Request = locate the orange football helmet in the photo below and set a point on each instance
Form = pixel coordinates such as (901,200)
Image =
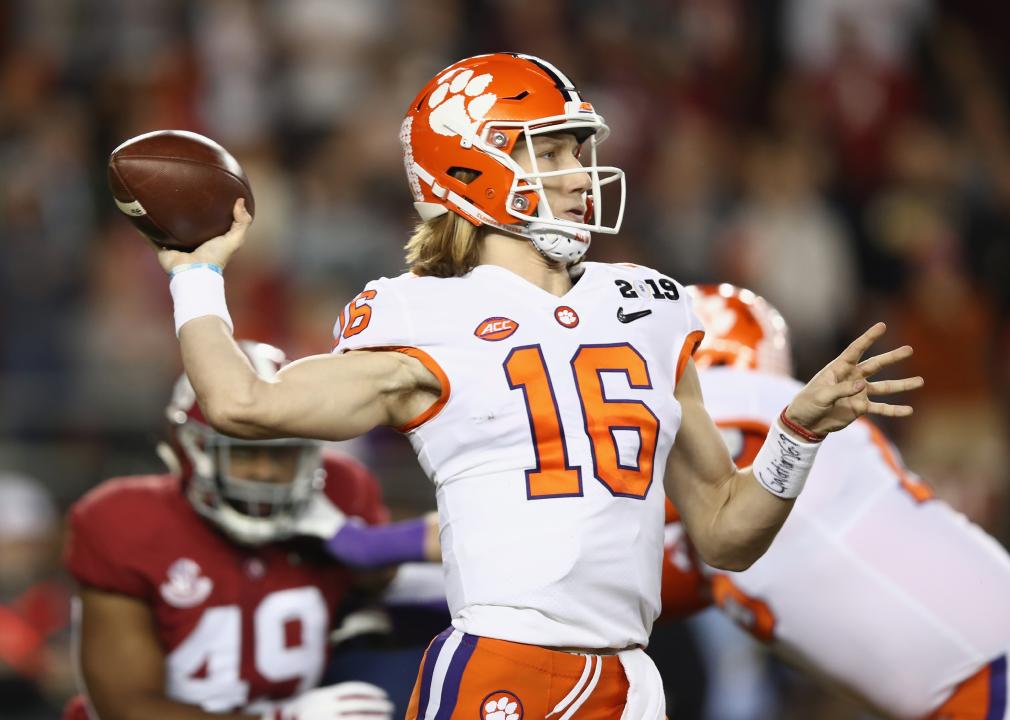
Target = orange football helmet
(742,330)
(470,117)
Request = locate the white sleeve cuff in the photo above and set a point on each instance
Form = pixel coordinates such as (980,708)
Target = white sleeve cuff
(198,291)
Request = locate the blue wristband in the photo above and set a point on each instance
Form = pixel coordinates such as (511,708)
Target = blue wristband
(194,266)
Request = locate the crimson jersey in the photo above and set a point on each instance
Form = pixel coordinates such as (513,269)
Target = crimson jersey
(237,623)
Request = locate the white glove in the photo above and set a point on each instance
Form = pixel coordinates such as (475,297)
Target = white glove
(343,701)
(321,519)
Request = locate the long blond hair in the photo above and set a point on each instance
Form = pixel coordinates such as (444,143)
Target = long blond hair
(445,246)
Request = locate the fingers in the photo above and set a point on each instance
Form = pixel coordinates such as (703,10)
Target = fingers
(876,363)
(888,410)
(828,396)
(240,213)
(887,387)
(242,221)
(861,344)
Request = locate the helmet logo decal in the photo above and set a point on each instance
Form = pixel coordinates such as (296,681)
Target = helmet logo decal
(459,103)
(186,587)
(715,314)
(496,328)
(742,330)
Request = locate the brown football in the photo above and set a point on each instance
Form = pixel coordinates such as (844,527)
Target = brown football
(177,187)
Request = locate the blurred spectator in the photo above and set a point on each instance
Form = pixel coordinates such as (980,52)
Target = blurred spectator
(785,241)
(35,672)
(686,197)
(817,31)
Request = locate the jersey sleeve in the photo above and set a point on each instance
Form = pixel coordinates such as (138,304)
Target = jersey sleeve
(96,552)
(379,318)
(354,489)
(375,318)
(689,334)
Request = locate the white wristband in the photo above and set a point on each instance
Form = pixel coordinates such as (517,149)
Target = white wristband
(783,463)
(198,290)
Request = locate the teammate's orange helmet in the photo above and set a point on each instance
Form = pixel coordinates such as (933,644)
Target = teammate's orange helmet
(742,330)
(470,117)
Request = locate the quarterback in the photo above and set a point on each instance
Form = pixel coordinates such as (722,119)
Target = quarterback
(549,400)
(198,596)
(873,584)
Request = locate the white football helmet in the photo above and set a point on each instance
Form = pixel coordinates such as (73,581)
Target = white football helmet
(249,511)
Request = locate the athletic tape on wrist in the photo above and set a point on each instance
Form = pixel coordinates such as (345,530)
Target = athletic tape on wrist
(198,290)
(783,463)
(194,266)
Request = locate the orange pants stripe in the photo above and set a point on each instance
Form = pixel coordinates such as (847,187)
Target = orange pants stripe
(479,678)
(983,696)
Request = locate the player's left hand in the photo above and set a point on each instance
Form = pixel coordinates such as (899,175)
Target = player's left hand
(842,391)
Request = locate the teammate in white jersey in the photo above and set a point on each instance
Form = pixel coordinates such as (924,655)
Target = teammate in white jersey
(547,399)
(872,584)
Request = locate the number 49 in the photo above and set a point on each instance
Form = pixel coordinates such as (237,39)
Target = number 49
(205,669)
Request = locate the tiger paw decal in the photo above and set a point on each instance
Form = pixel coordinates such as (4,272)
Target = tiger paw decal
(459,103)
(501,705)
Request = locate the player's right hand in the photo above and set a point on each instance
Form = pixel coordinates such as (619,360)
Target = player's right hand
(216,250)
(343,701)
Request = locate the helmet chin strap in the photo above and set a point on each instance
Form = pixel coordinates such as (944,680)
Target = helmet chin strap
(563,245)
(557,245)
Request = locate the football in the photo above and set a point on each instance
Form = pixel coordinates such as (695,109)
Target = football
(177,187)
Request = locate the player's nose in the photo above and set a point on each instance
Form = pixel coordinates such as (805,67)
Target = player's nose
(578,183)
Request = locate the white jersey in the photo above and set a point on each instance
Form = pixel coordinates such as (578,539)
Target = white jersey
(870,583)
(548,446)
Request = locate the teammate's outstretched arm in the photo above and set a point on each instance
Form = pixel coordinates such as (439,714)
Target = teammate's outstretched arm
(732,514)
(328,397)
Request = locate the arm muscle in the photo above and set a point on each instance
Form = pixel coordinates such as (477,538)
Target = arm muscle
(729,517)
(328,397)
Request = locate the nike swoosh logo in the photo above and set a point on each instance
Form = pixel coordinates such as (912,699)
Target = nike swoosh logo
(631,317)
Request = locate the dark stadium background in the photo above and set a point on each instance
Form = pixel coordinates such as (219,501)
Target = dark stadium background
(848,159)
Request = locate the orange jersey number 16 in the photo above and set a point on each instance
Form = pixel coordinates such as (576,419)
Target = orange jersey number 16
(553,475)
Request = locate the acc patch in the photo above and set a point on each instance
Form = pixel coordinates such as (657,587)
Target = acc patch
(501,705)
(496,328)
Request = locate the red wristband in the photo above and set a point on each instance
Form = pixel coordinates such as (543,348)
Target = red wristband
(807,435)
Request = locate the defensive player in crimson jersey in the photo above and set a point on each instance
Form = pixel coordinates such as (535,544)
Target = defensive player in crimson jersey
(199,597)
(548,399)
(872,584)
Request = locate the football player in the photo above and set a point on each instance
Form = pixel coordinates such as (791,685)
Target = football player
(199,597)
(542,394)
(872,584)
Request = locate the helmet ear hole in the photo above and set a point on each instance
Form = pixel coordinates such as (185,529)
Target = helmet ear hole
(464,175)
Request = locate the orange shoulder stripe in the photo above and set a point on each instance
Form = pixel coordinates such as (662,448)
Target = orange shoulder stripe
(691,343)
(443,380)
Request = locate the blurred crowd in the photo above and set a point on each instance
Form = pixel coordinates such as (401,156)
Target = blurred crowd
(847,159)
